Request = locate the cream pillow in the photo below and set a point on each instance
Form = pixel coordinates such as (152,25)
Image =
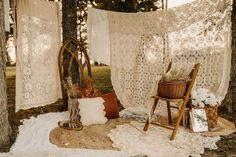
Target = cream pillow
(92,111)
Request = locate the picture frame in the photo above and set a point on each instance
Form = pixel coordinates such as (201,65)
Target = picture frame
(198,120)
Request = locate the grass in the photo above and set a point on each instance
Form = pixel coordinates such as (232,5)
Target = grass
(10,72)
(101,76)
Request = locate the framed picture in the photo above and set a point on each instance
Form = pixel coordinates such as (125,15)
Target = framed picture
(198,119)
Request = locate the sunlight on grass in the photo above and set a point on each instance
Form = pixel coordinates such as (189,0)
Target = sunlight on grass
(10,72)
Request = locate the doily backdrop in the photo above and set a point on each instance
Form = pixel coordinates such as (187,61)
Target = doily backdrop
(139,46)
(38,44)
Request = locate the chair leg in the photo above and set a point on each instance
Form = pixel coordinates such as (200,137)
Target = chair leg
(152,112)
(169,112)
(180,115)
(184,119)
(179,109)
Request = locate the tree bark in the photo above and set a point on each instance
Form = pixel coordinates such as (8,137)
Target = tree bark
(69,19)
(69,30)
(230,100)
(5,129)
(232,85)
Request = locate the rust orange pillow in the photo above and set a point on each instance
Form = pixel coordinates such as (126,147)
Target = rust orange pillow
(111,106)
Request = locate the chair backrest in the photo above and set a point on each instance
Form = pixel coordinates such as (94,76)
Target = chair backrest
(193,75)
(73,57)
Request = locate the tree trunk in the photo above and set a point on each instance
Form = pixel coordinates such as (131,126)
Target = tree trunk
(230,100)
(5,129)
(69,30)
(69,19)
(232,85)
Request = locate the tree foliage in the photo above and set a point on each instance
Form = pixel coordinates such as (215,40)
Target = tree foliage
(126,5)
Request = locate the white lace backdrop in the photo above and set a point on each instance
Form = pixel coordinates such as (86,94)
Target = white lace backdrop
(38,44)
(6,15)
(197,32)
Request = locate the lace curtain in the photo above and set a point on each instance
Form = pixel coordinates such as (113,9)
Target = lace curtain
(38,44)
(6,15)
(141,45)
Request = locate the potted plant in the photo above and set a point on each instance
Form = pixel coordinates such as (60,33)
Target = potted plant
(203,98)
(173,84)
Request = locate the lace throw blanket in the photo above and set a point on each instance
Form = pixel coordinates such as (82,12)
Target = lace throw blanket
(156,141)
(38,44)
(141,45)
(131,139)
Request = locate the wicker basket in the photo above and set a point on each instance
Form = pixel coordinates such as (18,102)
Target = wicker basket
(212,114)
(172,90)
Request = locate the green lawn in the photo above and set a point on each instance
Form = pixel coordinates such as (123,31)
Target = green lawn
(11,71)
(101,76)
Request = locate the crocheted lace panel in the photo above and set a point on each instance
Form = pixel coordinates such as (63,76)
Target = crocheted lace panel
(141,45)
(38,44)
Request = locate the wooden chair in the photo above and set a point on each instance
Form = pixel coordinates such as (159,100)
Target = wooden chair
(72,53)
(73,57)
(181,103)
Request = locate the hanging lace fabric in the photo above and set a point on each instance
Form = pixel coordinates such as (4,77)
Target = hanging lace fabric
(6,15)
(197,32)
(38,44)
(98,34)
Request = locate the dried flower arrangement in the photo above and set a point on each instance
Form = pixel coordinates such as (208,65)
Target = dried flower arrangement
(174,83)
(73,90)
(88,90)
(176,75)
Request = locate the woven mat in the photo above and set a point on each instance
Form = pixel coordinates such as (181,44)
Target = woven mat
(95,136)
(91,137)
(223,128)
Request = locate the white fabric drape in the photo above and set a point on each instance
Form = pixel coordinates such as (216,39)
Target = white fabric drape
(38,44)
(100,35)
(197,32)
